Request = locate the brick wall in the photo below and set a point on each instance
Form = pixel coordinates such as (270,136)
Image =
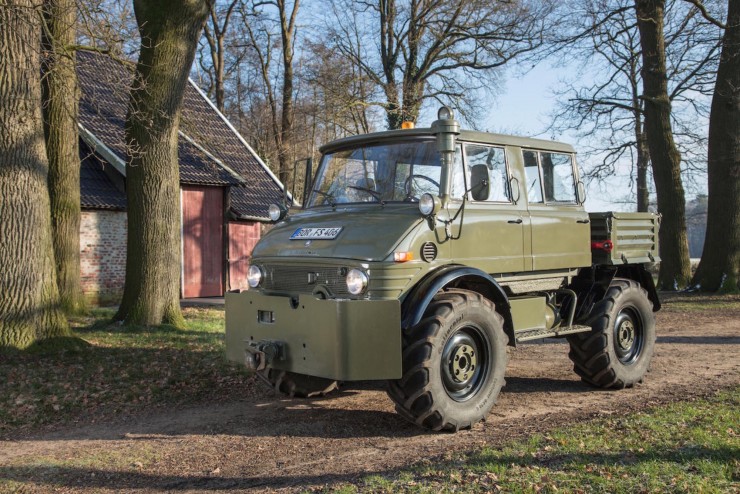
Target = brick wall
(103,254)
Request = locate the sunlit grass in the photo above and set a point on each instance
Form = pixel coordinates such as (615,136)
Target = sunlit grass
(684,447)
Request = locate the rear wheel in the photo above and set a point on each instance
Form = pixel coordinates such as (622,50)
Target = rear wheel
(454,361)
(298,385)
(618,350)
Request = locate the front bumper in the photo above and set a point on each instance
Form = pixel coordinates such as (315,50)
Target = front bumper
(346,340)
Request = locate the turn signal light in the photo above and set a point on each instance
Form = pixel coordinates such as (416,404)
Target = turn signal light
(407,125)
(403,256)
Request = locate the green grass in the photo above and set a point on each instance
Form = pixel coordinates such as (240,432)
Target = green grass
(114,369)
(684,447)
(698,302)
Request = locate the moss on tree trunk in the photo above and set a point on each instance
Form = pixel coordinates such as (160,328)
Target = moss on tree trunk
(60,101)
(29,298)
(169,34)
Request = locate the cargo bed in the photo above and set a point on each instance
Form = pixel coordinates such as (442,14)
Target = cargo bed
(622,238)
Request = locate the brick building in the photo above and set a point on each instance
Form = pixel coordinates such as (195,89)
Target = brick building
(225,188)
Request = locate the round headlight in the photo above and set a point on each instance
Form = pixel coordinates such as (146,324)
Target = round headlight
(254,276)
(275,212)
(426,204)
(356,281)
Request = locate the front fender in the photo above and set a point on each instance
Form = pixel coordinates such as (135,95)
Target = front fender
(455,276)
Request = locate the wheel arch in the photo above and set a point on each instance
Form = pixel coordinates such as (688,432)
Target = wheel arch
(456,276)
(592,284)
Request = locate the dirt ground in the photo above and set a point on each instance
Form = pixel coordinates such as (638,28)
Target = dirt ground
(267,443)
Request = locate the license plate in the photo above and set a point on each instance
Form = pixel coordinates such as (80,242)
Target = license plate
(322,233)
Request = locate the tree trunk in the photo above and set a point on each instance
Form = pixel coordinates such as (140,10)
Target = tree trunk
(643,162)
(169,32)
(29,297)
(61,96)
(719,269)
(287,32)
(675,269)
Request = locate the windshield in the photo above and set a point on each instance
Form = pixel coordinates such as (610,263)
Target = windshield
(378,173)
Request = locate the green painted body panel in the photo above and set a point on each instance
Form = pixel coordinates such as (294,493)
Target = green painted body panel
(370,232)
(528,312)
(338,339)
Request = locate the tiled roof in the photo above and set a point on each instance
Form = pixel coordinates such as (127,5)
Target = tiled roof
(211,154)
(97,190)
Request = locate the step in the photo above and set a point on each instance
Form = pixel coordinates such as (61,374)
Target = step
(539,333)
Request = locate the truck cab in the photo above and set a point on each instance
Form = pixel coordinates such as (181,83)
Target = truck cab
(434,249)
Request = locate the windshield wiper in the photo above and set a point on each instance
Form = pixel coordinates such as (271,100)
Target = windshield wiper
(329,197)
(372,192)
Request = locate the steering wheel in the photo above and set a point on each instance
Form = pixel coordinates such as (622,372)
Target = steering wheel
(408,182)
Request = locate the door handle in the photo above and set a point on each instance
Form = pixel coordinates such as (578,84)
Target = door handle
(517,221)
(583,221)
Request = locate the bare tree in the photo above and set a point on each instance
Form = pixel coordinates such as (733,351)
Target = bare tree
(169,35)
(29,297)
(215,36)
(719,269)
(607,113)
(675,271)
(442,50)
(263,21)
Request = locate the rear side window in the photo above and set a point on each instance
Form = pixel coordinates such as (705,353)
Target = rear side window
(551,174)
(557,176)
(495,160)
(532,172)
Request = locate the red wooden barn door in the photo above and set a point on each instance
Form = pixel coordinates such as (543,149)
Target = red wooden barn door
(242,239)
(202,241)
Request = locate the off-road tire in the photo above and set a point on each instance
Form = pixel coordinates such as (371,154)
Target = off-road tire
(442,343)
(616,353)
(298,385)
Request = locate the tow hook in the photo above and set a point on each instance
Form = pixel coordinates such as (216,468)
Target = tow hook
(259,354)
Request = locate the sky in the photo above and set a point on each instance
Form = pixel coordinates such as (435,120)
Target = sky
(523,108)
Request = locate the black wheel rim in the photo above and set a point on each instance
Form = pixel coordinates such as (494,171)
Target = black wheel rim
(628,336)
(465,362)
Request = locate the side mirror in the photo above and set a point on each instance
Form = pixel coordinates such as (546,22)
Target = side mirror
(580,192)
(479,182)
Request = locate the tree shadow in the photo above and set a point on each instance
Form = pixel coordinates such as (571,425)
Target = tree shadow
(545,385)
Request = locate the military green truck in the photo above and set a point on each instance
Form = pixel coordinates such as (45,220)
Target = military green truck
(419,255)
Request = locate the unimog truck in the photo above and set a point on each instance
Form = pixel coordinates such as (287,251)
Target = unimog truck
(420,254)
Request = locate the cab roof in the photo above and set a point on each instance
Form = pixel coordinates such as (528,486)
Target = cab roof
(465,135)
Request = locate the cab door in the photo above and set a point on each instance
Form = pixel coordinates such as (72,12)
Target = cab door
(493,225)
(560,231)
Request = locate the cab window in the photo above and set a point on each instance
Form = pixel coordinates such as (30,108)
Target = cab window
(551,172)
(494,158)
(557,175)
(532,174)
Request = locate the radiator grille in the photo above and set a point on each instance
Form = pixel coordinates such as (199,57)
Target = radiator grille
(306,279)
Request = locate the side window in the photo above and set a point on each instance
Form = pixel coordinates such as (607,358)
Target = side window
(531,170)
(557,173)
(495,160)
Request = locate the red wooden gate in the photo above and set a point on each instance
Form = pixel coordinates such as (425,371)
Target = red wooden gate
(202,241)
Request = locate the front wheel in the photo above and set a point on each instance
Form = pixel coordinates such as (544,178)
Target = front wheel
(618,350)
(454,361)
